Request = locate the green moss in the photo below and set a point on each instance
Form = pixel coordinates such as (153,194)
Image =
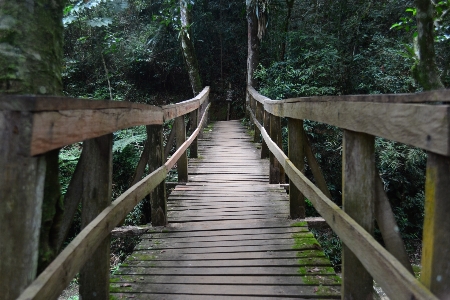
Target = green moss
(306,243)
(300,224)
(157,242)
(114,279)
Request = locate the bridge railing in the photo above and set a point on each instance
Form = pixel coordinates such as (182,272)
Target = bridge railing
(34,125)
(421,120)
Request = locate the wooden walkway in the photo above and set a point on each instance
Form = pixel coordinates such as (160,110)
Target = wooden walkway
(229,236)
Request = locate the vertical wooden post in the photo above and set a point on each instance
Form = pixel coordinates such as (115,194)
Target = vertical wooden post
(158,201)
(265,153)
(182,164)
(96,196)
(436,244)
(257,112)
(297,156)
(276,170)
(193,152)
(21,194)
(358,198)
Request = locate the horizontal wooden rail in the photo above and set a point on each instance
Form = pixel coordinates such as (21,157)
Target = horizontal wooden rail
(52,281)
(420,125)
(401,284)
(61,121)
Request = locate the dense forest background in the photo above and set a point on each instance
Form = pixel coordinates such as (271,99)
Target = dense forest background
(130,50)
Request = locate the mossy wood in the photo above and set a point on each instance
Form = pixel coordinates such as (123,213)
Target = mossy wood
(358,201)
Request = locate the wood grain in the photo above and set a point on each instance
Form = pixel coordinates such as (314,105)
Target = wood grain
(173,111)
(55,129)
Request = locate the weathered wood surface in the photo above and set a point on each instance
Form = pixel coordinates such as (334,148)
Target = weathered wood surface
(421,125)
(228,236)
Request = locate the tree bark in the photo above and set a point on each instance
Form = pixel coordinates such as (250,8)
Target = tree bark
(253,43)
(425,70)
(31,63)
(188,48)
(290,5)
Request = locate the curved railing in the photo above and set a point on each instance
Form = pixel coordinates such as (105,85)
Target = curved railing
(421,120)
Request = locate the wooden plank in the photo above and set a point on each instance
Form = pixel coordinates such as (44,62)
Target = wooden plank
(419,125)
(96,196)
(266,123)
(276,169)
(158,199)
(388,226)
(257,110)
(358,201)
(442,95)
(54,129)
(296,150)
(193,150)
(21,193)
(436,244)
(173,111)
(182,163)
(60,272)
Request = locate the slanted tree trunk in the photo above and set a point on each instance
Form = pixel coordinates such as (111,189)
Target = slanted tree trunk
(188,48)
(425,70)
(30,63)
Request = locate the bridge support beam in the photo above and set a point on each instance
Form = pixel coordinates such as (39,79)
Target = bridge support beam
(276,170)
(158,200)
(297,156)
(193,149)
(95,197)
(358,201)
(182,164)
(21,194)
(258,110)
(265,152)
(436,244)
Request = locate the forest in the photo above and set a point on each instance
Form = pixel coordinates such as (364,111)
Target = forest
(132,50)
(163,52)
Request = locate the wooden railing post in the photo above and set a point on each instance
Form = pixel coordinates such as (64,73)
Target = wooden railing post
(265,152)
(276,170)
(182,164)
(96,196)
(257,111)
(158,200)
(358,198)
(296,149)
(436,243)
(193,149)
(21,194)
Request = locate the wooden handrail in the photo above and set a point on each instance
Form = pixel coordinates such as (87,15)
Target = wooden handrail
(52,281)
(403,118)
(420,125)
(377,260)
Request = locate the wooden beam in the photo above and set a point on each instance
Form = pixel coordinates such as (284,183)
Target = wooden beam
(423,126)
(257,111)
(358,200)
(396,281)
(158,199)
(60,272)
(182,164)
(21,193)
(55,129)
(315,168)
(170,140)
(442,95)
(276,169)
(436,243)
(96,196)
(388,226)
(296,149)
(173,111)
(193,150)
(265,153)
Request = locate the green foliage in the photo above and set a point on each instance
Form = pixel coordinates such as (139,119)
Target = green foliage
(331,245)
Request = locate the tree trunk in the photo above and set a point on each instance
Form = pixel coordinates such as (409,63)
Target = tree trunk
(188,48)
(290,5)
(425,70)
(31,63)
(253,46)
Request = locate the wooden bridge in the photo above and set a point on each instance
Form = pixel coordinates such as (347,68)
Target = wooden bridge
(228,230)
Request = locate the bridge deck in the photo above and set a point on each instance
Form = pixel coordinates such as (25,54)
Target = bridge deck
(228,236)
